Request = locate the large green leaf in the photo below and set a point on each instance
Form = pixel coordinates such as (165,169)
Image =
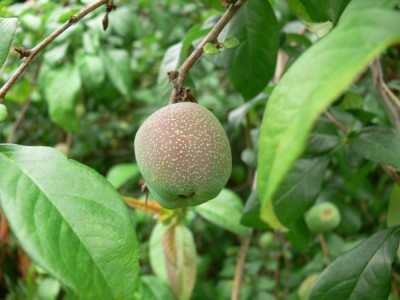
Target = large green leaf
(312,83)
(251,65)
(7,31)
(378,144)
(70,220)
(180,260)
(361,274)
(356,5)
(61,87)
(224,211)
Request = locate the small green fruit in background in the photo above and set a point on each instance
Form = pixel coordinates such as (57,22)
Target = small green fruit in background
(323,217)
(3,112)
(80,110)
(266,240)
(306,285)
(183,154)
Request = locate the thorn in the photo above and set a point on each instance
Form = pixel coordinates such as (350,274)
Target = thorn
(23,52)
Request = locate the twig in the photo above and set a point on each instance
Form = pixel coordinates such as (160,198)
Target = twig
(195,55)
(386,94)
(380,82)
(35,51)
(18,122)
(324,248)
(392,173)
(391,95)
(337,123)
(241,258)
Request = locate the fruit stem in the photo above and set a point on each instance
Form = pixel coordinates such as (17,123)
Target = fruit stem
(324,248)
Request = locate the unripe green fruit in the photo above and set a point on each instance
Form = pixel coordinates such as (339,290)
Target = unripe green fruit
(266,240)
(306,285)
(3,112)
(323,217)
(183,154)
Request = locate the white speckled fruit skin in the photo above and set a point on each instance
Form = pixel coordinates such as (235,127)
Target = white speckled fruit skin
(183,154)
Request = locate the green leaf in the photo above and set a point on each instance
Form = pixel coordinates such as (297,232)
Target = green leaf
(180,258)
(319,11)
(357,5)
(350,216)
(119,174)
(194,34)
(56,54)
(69,220)
(48,288)
(91,70)
(117,65)
(311,84)
(169,63)
(124,22)
(393,218)
(211,49)
(231,42)
(324,138)
(251,65)
(7,31)
(299,234)
(224,211)
(378,144)
(153,288)
(251,213)
(61,88)
(156,254)
(237,115)
(363,273)
(300,188)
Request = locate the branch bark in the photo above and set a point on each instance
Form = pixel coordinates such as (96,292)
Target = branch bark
(337,123)
(241,259)
(36,50)
(195,55)
(387,95)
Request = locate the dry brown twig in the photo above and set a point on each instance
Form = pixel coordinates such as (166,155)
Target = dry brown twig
(31,54)
(387,95)
(337,123)
(241,257)
(212,36)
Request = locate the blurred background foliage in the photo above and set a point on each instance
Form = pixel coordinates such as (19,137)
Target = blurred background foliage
(110,81)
